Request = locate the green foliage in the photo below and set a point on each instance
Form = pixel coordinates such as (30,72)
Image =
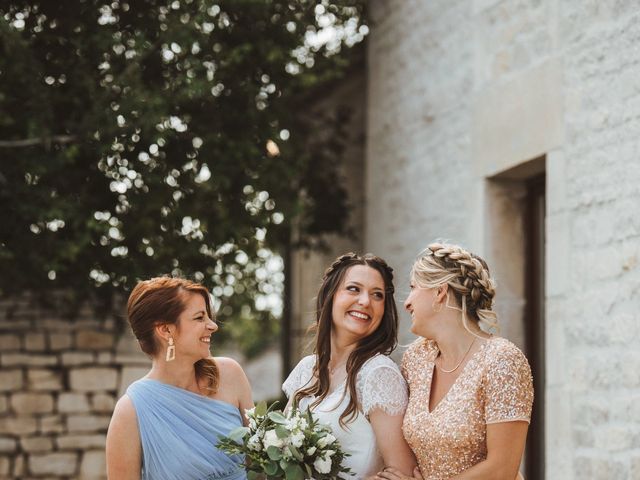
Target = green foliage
(289,446)
(135,141)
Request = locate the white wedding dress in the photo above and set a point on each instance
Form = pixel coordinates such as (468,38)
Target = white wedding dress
(379,384)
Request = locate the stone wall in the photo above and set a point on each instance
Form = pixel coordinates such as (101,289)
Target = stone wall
(460,91)
(59,381)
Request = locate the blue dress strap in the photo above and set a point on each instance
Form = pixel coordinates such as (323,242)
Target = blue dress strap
(179,431)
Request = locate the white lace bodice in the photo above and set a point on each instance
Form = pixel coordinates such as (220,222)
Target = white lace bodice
(379,384)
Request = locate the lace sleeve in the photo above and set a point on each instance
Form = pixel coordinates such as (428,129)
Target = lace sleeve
(299,376)
(383,387)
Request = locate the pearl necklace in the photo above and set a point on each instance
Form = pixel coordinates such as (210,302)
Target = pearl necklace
(459,363)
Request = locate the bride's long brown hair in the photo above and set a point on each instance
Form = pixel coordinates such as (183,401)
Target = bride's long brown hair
(383,340)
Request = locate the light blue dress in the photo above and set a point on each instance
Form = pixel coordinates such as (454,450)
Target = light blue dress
(179,431)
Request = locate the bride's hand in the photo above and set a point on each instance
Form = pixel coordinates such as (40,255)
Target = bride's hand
(391,473)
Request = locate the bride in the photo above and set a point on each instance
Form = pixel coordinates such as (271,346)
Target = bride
(350,383)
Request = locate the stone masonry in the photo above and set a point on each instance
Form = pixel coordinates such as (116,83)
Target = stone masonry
(59,381)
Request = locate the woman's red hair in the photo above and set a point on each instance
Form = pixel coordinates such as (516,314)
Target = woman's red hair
(159,301)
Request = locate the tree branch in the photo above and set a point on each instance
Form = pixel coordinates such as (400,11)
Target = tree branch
(30,142)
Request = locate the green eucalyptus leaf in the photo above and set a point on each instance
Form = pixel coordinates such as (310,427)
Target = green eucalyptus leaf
(282,432)
(294,472)
(261,409)
(273,406)
(271,468)
(251,475)
(237,434)
(277,417)
(274,453)
(296,453)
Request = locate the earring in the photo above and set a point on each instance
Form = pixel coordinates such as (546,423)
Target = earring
(436,310)
(171,351)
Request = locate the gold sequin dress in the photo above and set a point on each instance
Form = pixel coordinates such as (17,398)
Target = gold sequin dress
(494,386)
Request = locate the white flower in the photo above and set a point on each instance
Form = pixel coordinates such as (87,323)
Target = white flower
(322,464)
(296,422)
(254,443)
(328,453)
(326,440)
(311,451)
(292,424)
(296,439)
(286,453)
(252,423)
(271,439)
(249,411)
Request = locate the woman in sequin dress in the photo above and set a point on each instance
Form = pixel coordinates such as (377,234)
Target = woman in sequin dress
(350,383)
(470,393)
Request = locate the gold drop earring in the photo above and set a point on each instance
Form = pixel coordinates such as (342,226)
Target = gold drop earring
(171,351)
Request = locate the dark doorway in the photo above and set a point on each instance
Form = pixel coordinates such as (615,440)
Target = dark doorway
(535,319)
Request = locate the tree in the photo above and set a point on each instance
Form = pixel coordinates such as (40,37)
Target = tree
(150,137)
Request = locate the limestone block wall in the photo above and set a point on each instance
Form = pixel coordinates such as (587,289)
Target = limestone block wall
(59,381)
(462,90)
(420,71)
(596,224)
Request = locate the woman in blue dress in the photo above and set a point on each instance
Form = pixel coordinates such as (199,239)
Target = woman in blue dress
(168,423)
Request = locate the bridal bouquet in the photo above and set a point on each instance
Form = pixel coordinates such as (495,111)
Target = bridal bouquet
(292,446)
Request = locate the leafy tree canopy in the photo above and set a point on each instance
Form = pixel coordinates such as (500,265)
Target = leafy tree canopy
(147,137)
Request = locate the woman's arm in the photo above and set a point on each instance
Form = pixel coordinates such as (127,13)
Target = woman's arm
(383,398)
(124,451)
(245,395)
(391,443)
(234,385)
(505,444)
(508,388)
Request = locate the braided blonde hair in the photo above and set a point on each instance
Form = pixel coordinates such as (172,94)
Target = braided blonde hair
(467,276)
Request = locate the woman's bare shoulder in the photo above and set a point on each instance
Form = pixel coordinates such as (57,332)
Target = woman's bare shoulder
(124,408)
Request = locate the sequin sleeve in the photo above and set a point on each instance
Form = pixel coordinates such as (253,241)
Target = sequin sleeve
(409,358)
(381,385)
(508,386)
(299,376)
(403,365)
